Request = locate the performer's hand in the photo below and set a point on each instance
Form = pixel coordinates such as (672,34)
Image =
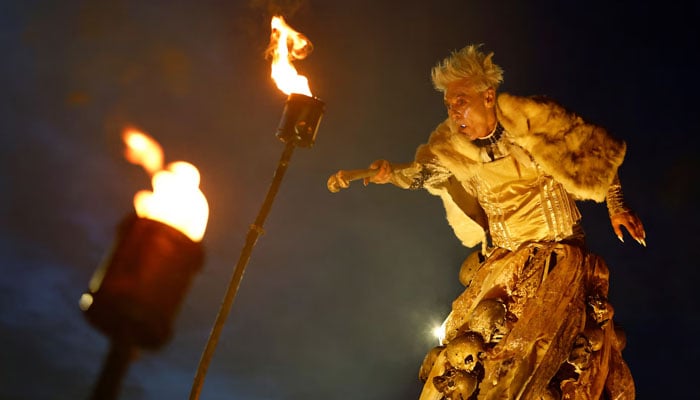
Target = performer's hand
(383,174)
(632,223)
(337,181)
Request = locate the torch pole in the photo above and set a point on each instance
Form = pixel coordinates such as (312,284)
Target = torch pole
(114,369)
(256,229)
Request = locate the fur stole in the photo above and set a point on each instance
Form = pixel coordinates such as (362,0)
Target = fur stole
(581,156)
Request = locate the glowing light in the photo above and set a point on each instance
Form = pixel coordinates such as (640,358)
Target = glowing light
(439,331)
(287,45)
(85,301)
(176,199)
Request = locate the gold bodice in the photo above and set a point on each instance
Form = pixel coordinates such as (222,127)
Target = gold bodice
(523,204)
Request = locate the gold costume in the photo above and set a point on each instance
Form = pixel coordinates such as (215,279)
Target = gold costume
(533,321)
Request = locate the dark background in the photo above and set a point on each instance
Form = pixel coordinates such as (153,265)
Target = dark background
(343,290)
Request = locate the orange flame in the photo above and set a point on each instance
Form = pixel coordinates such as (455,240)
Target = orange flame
(142,150)
(176,199)
(287,45)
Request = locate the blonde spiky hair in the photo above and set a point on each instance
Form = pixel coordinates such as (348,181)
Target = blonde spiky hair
(470,63)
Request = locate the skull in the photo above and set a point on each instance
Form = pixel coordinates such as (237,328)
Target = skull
(620,338)
(600,310)
(550,393)
(489,320)
(595,336)
(455,384)
(580,356)
(465,351)
(469,267)
(429,362)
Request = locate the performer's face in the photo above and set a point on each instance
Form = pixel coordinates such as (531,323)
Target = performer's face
(472,112)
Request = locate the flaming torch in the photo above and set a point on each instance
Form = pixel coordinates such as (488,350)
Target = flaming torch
(302,112)
(298,126)
(134,295)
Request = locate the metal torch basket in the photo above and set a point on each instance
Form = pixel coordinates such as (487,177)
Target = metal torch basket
(137,292)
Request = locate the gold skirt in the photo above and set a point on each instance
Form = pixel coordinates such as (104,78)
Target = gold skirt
(532,324)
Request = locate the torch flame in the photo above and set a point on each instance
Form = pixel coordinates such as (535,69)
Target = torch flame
(142,150)
(287,45)
(176,199)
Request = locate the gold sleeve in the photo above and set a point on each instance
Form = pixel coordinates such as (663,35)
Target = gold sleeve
(424,172)
(615,199)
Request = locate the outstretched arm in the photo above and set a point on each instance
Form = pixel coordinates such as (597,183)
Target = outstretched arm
(621,215)
(380,172)
(342,178)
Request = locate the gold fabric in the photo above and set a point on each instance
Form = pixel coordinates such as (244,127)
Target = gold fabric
(547,288)
(615,200)
(523,204)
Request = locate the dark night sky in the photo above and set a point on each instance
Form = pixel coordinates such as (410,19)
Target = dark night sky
(343,289)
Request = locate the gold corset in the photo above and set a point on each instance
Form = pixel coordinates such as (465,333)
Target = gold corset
(523,204)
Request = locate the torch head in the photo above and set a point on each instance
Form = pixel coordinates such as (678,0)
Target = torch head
(300,119)
(136,293)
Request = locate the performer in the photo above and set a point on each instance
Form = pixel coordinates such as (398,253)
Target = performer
(534,321)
